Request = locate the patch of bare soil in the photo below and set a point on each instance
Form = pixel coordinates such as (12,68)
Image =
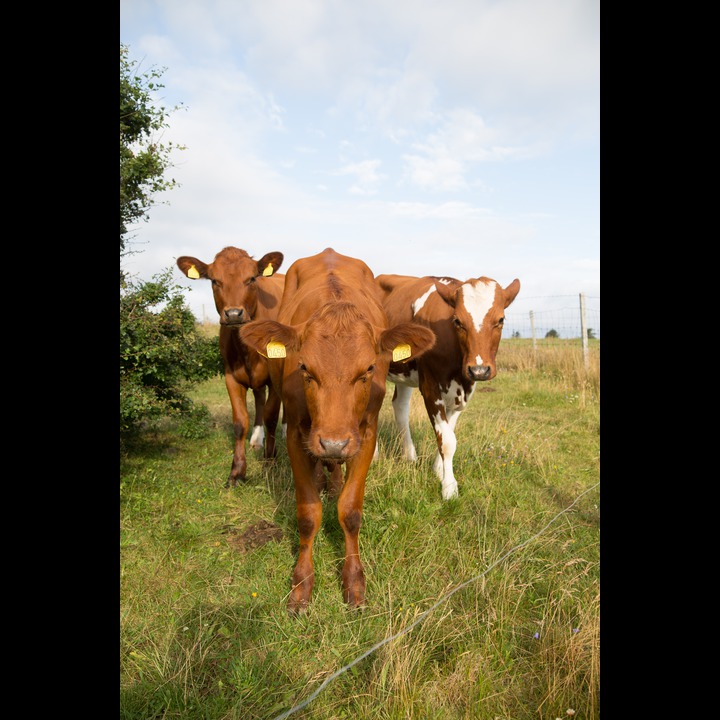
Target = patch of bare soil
(254,536)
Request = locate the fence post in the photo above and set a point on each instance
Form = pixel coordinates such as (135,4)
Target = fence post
(584,333)
(532,328)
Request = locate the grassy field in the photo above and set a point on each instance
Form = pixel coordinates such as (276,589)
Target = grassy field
(483,607)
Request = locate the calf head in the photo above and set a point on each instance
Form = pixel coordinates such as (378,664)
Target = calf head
(332,362)
(233,274)
(479,313)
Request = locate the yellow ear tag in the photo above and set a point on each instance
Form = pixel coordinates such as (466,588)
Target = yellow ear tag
(193,273)
(267,272)
(401,352)
(275,350)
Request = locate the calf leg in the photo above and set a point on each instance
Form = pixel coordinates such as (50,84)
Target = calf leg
(336,481)
(401,408)
(319,477)
(444,422)
(309,517)
(332,485)
(238,401)
(258,434)
(350,505)
(272,412)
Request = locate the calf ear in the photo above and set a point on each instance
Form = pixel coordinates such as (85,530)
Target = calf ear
(407,340)
(269,337)
(270,263)
(511,291)
(447,289)
(192,267)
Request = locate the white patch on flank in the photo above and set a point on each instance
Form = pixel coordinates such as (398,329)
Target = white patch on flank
(417,305)
(478,299)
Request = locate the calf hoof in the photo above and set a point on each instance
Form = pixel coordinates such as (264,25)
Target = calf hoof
(297,604)
(295,609)
(301,592)
(233,480)
(355,599)
(354,589)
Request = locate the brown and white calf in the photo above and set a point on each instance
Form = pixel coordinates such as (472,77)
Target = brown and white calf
(244,289)
(329,351)
(467,319)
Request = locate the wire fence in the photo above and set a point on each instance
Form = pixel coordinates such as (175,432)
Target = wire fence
(553,316)
(542,316)
(423,615)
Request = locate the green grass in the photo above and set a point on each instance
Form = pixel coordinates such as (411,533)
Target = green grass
(204,629)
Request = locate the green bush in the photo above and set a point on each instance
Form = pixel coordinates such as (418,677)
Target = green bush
(162,354)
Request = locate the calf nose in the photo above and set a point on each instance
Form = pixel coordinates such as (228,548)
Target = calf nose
(333,448)
(234,315)
(479,372)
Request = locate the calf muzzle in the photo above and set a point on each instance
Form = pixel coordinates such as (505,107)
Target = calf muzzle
(235,316)
(479,372)
(333,448)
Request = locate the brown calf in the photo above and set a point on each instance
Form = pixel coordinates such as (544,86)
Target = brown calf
(467,318)
(329,353)
(244,289)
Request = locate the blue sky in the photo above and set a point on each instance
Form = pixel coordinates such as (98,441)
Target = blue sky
(426,137)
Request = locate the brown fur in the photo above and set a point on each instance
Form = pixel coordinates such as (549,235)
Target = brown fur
(332,384)
(459,343)
(241,294)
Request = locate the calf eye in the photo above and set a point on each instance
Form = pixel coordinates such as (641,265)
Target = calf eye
(250,281)
(456,322)
(307,376)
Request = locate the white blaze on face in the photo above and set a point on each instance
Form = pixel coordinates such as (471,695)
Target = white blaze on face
(478,300)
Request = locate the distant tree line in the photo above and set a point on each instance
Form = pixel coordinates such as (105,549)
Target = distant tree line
(552,333)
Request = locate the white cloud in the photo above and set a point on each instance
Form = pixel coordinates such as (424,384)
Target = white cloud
(456,138)
(438,172)
(367,177)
